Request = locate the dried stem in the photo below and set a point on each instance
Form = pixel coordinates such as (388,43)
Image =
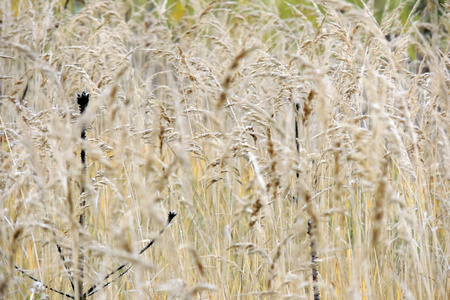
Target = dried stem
(83,101)
(46,286)
(92,290)
(312,227)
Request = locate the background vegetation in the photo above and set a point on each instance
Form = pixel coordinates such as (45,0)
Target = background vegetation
(248,118)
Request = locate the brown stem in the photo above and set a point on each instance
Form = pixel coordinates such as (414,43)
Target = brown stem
(83,101)
(315,272)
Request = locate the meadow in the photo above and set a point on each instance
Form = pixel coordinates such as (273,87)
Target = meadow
(304,146)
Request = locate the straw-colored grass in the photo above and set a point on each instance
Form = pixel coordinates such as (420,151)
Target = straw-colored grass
(249,119)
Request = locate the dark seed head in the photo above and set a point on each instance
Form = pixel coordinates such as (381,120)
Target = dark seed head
(83,100)
(172,215)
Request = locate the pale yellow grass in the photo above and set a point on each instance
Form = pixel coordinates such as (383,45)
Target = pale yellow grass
(197,112)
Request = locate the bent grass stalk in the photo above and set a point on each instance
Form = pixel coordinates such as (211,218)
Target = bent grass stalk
(83,101)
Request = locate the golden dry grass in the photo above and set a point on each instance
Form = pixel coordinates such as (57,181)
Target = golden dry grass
(195,108)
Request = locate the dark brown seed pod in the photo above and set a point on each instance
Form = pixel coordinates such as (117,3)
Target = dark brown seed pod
(83,100)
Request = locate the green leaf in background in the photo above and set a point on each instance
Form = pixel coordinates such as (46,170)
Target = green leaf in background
(178,11)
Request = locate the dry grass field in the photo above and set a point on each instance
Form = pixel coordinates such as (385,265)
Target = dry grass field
(292,138)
